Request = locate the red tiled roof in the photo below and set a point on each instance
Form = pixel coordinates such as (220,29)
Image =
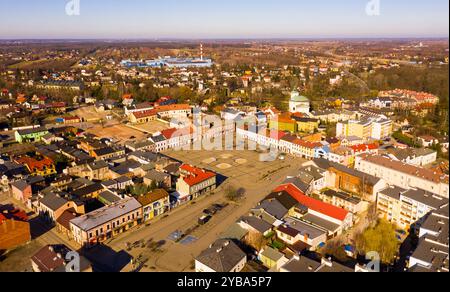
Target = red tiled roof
(173,133)
(364,147)
(196,175)
(313,204)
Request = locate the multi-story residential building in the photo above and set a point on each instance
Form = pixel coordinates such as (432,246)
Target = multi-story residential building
(107,222)
(366,129)
(194,182)
(407,208)
(154,204)
(432,253)
(403,175)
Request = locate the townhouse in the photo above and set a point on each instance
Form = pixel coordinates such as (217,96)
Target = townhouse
(106,223)
(154,204)
(194,182)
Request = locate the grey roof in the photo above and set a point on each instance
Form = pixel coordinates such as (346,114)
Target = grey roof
(105,151)
(53,201)
(32,131)
(426,198)
(123,179)
(304,228)
(110,197)
(434,254)
(417,195)
(298,183)
(88,190)
(321,223)
(344,196)
(144,155)
(304,264)
(301,265)
(106,214)
(21,184)
(158,138)
(273,207)
(284,198)
(257,223)
(96,165)
(234,232)
(156,175)
(272,254)
(311,171)
(222,256)
(393,192)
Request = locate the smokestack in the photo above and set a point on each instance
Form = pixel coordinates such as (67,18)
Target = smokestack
(201,52)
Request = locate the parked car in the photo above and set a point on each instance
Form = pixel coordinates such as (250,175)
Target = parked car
(204,219)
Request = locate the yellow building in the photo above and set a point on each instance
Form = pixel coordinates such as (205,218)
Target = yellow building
(307,125)
(43,167)
(154,204)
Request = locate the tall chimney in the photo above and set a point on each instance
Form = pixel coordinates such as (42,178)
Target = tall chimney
(201,52)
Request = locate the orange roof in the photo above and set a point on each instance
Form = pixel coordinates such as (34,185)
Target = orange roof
(127,96)
(173,107)
(196,175)
(307,144)
(173,133)
(32,163)
(364,147)
(144,114)
(313,204)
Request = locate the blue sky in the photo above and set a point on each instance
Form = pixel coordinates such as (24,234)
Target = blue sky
(223,19)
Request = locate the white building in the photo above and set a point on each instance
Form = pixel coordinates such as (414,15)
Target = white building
(403,175)
(299,104)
